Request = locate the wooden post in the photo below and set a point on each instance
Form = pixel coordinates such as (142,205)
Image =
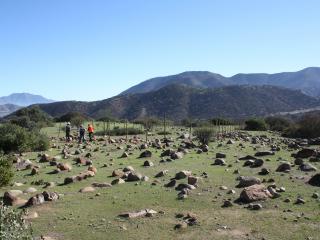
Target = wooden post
(164,125)
(59,130)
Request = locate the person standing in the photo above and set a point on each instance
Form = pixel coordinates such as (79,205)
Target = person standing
(90,131)
(82,131)
(68,130)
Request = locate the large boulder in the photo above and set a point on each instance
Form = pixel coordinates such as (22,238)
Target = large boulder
(50,196)
(182,174)
(177,155)
(306,153)
(263,153)
(146,154)
(248,181)
(254,193)
(219,161)
(315,180)
(132,177)
(307,167)
(35,200)
(284,167)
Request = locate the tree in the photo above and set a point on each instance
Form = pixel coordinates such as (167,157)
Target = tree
(255,124)
(6,171)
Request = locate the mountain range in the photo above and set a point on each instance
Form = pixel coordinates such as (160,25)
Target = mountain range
(306,80)
(202,95)
(179,102)
(15,101)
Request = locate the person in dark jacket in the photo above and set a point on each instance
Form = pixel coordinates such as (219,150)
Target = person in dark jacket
(68,130)
(82,132)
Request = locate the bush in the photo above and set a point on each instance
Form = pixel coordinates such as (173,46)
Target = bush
(12,224)
(220,121)
(278,123)
(121,132)
(6,171)
(75,118)
(255,124)
(17,139)
(204,134)
(307,127)
(31,118)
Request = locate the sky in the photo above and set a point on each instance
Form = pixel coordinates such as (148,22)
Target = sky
(95,49)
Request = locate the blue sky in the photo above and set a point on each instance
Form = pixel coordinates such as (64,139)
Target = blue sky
(94,49)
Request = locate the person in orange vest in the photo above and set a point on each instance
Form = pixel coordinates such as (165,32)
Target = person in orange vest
(90,131)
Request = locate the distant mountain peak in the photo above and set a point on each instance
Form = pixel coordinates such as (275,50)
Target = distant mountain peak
(24,99)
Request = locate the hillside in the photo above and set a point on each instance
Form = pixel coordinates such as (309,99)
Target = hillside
(23,99)
(6,109)
(306,80)
(180,102)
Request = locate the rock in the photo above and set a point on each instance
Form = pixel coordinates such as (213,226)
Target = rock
(264,171)
(248,163)
(182,186)
(35,200)
(124,155)
(205,148)
(177,155)
(15,193)
(128,169)
(24,164)
(148,163)
(31,215)
(257,163)
(230,141)
(254,193)
(227,203)
(45,158)
(316,195)
(248,157)
(49,185)
(87,189)
(300,201)
(306,153)
(298,161)
(315,180)
(92,169)
(193,180)
(101,185)
(144,146)
(35,170)
(30,190)
(145,179)
(181,225)
(264,153)
(117,181)
(219,161)
(182,174)
(172,183)
(9,199)
(284,167)
(255,206)
(248,181)
(231,191)
(307,167)
(134,177)
(80,160)
(161,174)
(50,196)
(64,167)
(221,155)
(146,154)
(141,213)
(117,173)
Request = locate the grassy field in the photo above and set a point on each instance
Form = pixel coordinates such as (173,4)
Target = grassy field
(95,216)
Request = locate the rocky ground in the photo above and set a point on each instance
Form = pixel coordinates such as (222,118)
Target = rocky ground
(244,185)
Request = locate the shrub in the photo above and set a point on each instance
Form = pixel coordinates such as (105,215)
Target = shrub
(6,171)
(278,123)
(204,134)
(307,127)
(17,139)
(31,118)
(12,224)
(255,124)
